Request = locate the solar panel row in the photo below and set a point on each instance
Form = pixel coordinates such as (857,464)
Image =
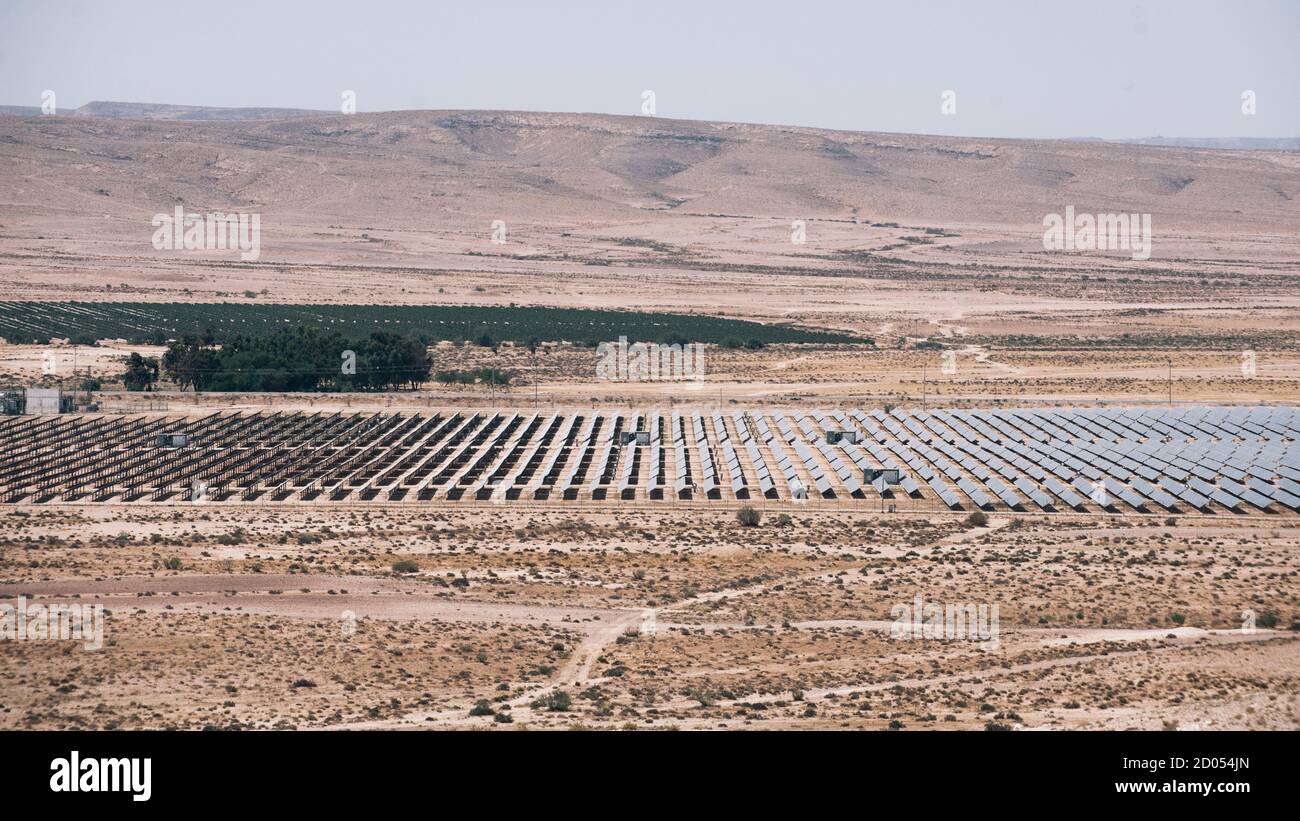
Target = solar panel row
(1196,458)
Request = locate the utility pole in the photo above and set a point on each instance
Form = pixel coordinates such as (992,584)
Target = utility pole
(923,367)
(1170,362)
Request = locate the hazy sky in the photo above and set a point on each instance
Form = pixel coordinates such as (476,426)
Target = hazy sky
(1037,68)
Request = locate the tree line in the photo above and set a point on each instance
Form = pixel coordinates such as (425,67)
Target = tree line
(297,359)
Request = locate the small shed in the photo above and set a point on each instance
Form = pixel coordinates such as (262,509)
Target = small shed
(46,400)
(881,477)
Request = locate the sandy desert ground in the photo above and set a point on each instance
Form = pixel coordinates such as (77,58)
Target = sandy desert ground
(685,619)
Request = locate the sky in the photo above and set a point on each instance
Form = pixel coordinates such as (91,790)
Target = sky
(1114,69)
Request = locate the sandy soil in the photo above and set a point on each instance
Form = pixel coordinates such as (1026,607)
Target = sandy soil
(681,619)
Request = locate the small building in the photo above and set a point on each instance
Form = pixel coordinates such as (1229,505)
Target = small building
(11,403)
(881,477)
(46,400)
(173,440)
(835,437)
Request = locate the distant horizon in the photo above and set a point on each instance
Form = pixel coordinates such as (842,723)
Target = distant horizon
(997,69)
(328,113)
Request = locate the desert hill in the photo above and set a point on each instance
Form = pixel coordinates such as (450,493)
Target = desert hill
(377,206)
(462,165)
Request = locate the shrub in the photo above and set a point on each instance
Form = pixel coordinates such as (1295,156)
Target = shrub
(405,566)
(481,708)
(978,518)
(748,516)
(174,563)
(702,696)
(556,702)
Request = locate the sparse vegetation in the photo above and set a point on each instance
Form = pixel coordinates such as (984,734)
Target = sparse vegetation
(748,516)
(557,701)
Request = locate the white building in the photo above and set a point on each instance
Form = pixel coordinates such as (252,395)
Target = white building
(46,400)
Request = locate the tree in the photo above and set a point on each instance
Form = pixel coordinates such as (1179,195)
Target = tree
(302,358)
(189,364)
(141,373)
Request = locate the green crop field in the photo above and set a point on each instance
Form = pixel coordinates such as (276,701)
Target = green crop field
(145,322)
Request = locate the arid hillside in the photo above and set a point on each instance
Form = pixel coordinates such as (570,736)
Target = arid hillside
(397,205)
(905,237)
(435,170)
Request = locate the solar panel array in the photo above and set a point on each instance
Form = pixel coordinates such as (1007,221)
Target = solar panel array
(1184,459)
